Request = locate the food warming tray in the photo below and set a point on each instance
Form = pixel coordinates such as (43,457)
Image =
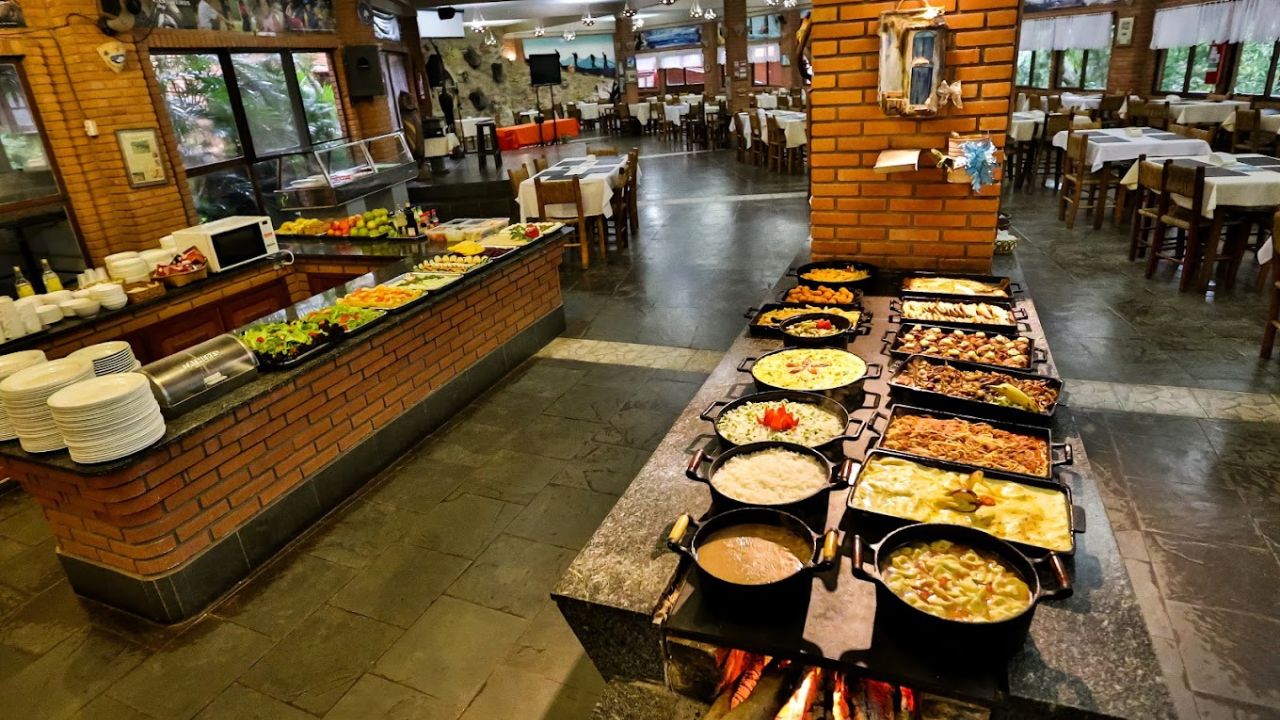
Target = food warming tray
(200,374)
(1075,515)
(1010,288)
(1052,462)
(977,408)
(1037,354)
(1018,314)
(855,305)
(871,271)
(757,330)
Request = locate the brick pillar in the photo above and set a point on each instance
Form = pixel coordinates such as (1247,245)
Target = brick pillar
(624,45)
(735,50)
(912,219)
(1133,67)
(710,53)
(372,115)
(787,46)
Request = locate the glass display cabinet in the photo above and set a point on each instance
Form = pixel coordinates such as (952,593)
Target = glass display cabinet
(335,175)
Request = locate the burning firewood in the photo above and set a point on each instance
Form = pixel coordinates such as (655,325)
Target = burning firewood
(797,707)
(767,697)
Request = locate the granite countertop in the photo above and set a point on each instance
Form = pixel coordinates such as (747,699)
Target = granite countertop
(1088,656)
(268,380)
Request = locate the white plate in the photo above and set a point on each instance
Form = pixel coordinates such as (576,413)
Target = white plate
(53,374)
(13,362)
(103,351)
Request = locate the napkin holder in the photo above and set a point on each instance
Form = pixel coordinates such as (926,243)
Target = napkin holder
(1221,159)
(201,374)
(1133,132)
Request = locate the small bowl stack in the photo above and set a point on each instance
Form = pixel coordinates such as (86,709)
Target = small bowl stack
(109,358)
(128,267)
(10,364)
(25,396)
(107,418)
(111,295)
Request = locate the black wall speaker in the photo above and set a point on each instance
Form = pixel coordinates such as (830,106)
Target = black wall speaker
(364,72)
(544,69)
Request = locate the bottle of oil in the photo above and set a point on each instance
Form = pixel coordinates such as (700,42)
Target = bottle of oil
(52,283)
(21,284)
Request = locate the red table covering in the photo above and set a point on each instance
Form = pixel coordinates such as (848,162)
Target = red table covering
(514,137)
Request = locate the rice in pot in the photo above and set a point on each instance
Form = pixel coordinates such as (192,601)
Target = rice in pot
(776,476)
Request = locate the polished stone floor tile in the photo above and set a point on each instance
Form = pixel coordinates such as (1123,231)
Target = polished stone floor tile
(104,707)
(563,516)
(513,575)
(512,692)
(603,468)
(1216,575)
(285,593)
(375,698)
(463,525)
(1226,655)
(241,703)
(27,527)
(518,475)
(400,584)
(1205,511)
(67,677)
(358,532)
(549,648)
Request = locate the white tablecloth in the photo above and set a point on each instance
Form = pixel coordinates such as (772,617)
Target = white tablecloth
(469,125)
(597,187)
(440,146)
(1022,125)
(1247,186)
(766,102)
(590,111)
(529,115)
(673,113)
(1152,143)
(1270,121)
(690,99)
(1204,113)
(1084,102)
(792,124)
(640,111)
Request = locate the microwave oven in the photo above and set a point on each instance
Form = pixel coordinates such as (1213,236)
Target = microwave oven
(230,242)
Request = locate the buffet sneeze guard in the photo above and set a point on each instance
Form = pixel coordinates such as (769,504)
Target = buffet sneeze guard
(200,374)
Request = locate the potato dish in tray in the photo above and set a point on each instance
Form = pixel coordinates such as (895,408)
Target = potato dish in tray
(954,286)
(971,443)
(1013,511)
(973,346)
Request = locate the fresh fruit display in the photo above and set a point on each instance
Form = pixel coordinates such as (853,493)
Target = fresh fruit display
(525,232)
(383,297)
(304,226)
(452,263)
(374,223)
(192,260)
(348,317)
(821,294)
(426,282)
(279,342)
(467,247)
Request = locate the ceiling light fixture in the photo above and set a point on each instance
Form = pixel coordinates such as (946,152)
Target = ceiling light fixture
(627,10)
(637,23)
(478,24)
(666,2)
(771,3)
(491,41)
(569,35)
(587,19)
(696,10)
(788,3)
(539,31)
(710,14)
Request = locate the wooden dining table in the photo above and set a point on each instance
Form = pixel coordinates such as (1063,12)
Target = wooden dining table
(598,177)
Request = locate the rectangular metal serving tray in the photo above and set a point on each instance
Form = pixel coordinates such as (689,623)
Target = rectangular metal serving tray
(763,331)
(1010,288)
(976,408)
(894,339)
(1018,314)
(1075,515)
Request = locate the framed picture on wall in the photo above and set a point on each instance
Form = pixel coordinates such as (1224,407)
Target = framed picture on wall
(1124,32)
(11,14)
(143,162)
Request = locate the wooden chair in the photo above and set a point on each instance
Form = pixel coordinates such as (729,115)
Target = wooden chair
(759,152)
(1055,103)
(1194,133)
(602,150)
(1247,135)
(1109,110)
(622,118)
(633,207)
(694,127)
(1147,196)
(1273,313)
(1049,157)
(540,164)
(775,145)
(1183,250)
(621,217)
(1215,97)
(1078,180)
(569,192)
(1158,115)
(1136,116)
(516,177)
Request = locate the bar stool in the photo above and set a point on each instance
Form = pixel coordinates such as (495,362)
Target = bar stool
(487,144)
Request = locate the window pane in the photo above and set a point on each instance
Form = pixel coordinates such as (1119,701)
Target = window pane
(778,75)
(319,95)
(693,76)
(647,79)
(1174,71)
(759,74)
(24,169)
(264,92)
(1024,68)
(43,234)
(1199,66)
(674,77)
(1251,74)
(1096,70)
(199,107)
(1070,70)
(223,194)
(1040,74)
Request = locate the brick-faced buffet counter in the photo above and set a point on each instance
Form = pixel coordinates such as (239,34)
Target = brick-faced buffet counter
(163,533)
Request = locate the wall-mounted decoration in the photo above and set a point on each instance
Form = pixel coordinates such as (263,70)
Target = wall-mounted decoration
(253,16)
(142,160)
(113,53)
(586,54)
(1039,5)
(11,14)
(913,45)
(663,38)
(764,27)
(1124,32)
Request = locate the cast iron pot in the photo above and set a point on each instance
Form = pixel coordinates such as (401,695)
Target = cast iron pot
(838,477)
(871,270)
(1002,636)
(791,396)
(838,339)
(844,394)
(794,587)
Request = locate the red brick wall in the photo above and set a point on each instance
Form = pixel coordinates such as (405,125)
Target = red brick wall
(914,219)
(150,519)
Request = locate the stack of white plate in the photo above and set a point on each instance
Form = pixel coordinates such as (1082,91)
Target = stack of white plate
(109,358)
(128,266)
(156,257)
(10,364)
(107,418)
(111,295)
(25,396)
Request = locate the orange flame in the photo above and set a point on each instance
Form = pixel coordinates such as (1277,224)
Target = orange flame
(797,708)
(840,698)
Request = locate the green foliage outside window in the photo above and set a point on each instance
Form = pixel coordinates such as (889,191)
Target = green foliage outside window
(1251,72)
(1095,72)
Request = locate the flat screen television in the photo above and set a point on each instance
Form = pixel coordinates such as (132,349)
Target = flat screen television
(544,69)
(431,26)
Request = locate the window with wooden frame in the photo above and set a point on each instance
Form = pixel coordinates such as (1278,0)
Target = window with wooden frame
(1182,70)
(1033,68)
(234,113)
(1083,69)
(1255,72)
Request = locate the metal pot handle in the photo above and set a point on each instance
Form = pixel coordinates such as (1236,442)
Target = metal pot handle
(1015,288)
(1068,455)
(675,538)
(888,336)
(878,432)
(879,371)
(695,463)
(844,473)
(875,397)
(706,414)
(851,435)
(1059,569)
(751,312)
(747,364)
(1039,356)
(859,551)
(1023,328)
(853,475)
(1020,313)
(827,551)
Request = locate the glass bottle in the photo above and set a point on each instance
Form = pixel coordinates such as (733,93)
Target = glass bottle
(21,284)
(52,283)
